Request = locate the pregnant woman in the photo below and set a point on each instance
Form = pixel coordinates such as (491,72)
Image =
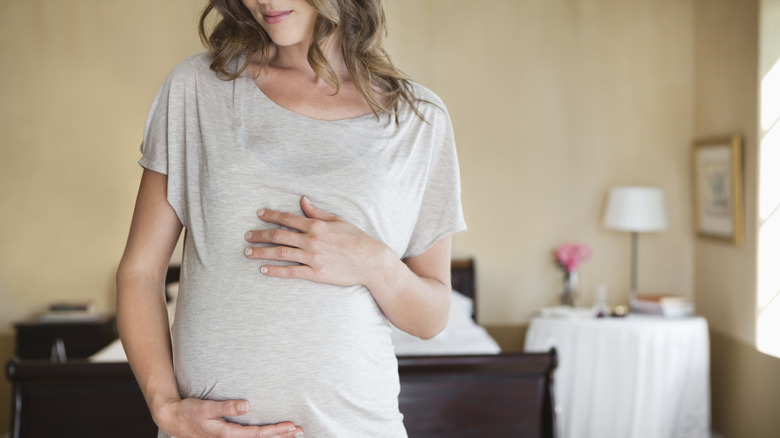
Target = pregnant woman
(318,189)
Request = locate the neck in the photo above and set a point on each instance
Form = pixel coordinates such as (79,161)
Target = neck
(295,58)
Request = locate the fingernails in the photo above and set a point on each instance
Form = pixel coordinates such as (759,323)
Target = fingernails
(264,270)
(306,200)
(248,235)
(243,406)
(248,251)
(260,213)
(299,435)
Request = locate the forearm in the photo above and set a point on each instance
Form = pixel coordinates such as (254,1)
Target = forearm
(142,317)
(142,320)
(415,294)
(414,304)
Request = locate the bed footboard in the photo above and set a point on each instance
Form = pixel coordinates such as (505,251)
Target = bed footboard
(478,396)
(441,397)
(78,399)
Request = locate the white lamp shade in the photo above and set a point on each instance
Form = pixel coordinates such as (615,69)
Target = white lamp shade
(639,209)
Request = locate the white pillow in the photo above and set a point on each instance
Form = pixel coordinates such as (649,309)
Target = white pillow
(461,308)
(172,291)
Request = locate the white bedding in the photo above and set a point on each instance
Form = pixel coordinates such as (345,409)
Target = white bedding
(461,336)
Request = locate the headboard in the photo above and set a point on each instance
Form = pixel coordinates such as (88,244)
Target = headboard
(464,280)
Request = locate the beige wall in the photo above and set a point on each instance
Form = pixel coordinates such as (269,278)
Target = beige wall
(76,81)
(553,102)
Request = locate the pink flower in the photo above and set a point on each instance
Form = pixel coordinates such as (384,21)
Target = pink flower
(569,256)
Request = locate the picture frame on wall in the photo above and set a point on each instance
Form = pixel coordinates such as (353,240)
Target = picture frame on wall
(717,188)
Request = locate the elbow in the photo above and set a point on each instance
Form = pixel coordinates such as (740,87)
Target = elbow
(429,336)
(435,323)
(432,331)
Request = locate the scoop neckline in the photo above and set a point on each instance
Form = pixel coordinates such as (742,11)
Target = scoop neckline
(251,83)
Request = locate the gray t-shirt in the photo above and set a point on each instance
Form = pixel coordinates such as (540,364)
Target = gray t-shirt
(314,354)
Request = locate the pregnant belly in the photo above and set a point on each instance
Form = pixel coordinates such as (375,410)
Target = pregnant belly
(312,355)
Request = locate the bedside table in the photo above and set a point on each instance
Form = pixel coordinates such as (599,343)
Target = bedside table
(71,339)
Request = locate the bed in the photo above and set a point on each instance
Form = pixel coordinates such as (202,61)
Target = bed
(459,386)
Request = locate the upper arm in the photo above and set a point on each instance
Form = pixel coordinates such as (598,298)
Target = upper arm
(154,231)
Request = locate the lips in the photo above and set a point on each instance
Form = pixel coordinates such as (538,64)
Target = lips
(276,17)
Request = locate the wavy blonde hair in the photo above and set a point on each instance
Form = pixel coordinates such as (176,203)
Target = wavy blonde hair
(360,24)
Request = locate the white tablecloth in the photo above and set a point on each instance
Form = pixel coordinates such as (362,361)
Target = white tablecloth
(633,377)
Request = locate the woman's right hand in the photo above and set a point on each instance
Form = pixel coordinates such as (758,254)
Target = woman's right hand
(195,418)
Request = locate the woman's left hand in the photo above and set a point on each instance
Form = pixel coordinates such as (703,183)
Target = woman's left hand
(329,249)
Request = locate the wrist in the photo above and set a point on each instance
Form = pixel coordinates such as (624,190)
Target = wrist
(162,409)
(385,271)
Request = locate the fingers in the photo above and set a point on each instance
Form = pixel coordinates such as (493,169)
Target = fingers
(293,242)
(302,272)
(281,253)
(299,270)
(315,213)
(289,220)
(207,418)
(294,221)
(276,236)
(281,430)
(318,246)
(232,408)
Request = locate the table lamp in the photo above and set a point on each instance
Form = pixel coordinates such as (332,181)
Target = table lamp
(636,210)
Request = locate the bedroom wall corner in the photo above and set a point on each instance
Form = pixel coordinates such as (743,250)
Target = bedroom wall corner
(744,381)
(726,102)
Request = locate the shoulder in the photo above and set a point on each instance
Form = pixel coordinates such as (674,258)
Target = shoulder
(426,94)
(425,103)
(193,78)
(194,68)
(192,83)
(428,103)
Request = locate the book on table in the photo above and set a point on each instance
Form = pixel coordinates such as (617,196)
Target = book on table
(665,305)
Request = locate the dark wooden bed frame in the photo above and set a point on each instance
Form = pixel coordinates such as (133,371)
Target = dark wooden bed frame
(441,396)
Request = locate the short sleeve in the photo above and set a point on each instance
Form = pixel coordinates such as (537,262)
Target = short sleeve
(441,212)
(163,146)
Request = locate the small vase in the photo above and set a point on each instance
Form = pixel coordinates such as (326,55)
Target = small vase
(570,286)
